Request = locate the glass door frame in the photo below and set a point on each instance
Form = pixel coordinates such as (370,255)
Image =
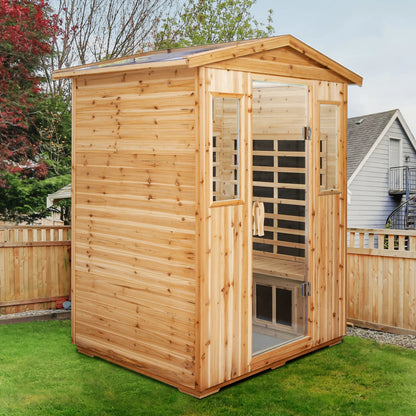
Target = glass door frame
(302,341)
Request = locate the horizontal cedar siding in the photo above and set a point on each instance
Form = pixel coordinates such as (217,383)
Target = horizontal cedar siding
(135,220)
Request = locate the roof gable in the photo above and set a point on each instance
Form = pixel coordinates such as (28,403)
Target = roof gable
(283,61)
(364,134)
(256,46)
(213,54)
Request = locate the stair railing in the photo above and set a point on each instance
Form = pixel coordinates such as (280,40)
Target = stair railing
(404,216)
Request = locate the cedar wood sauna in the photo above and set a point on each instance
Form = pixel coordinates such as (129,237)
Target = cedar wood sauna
(176,154)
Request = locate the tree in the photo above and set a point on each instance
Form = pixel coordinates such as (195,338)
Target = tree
(202,22)
(53,128)
(27,28)
(93,30)
(24,199)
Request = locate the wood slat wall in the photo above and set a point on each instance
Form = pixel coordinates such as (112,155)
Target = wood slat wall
(35,267)
(134,220)
(225,267)
(152,245)
(382,279)
(281,62)
(327,225)
(326,252)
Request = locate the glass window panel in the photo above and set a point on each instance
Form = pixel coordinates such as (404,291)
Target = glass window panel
(264,302)
(226,148)
(329,146)
(284,306)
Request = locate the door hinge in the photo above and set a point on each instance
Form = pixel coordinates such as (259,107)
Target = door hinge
(306,133)
(306,289)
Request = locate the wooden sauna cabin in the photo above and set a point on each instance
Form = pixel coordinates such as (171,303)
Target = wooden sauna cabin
(209,209)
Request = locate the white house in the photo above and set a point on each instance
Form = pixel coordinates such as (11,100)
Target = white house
(381,167)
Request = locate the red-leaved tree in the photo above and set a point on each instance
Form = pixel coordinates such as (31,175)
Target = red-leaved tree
(26,30)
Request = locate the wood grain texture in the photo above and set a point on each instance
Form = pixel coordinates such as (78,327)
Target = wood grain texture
(327,225)
(35,267)
(225,345)
(134,220)
(382,279)
(162,273)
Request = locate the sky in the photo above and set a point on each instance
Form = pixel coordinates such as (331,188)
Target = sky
(374,38)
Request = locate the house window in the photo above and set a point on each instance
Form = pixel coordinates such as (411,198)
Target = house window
(329,133)
(395,153)
(225,148)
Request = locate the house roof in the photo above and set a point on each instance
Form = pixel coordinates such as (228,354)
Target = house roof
(363,131)
(63,193)
(209,54)
(364,134)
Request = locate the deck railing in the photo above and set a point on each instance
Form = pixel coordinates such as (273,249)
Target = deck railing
(402,180)
(382,279)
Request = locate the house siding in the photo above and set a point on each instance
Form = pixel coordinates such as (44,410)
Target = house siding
(369,200)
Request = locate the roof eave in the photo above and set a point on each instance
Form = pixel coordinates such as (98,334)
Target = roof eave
(406,128)
(218,54)
(88,70)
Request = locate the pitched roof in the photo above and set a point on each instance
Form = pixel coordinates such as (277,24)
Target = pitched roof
(208,54)
(63,193)
(363,132)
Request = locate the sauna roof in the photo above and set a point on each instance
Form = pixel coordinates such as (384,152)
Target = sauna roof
(210,54)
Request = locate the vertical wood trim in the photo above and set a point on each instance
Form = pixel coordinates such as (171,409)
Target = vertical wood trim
(199,215)
(247,295)
(343,229)
(73,210)
(311,201)
(313,233)
(203,362)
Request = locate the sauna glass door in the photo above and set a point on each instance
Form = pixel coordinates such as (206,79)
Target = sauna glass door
(279,196)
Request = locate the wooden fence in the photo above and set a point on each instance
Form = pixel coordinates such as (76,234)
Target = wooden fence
(34,267)
(382,279)
(35,272)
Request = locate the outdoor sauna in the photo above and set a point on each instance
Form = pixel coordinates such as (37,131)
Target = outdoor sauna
(209,209)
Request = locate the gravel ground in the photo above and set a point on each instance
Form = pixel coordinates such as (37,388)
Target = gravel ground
(28,314)
(405,341)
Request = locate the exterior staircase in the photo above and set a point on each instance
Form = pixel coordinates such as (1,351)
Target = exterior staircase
(411,215)
(404,216)
(402,182)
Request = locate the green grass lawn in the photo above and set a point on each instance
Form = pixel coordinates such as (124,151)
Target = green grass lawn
(42,374)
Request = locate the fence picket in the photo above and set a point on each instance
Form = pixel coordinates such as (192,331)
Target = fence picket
(385,273)
(35,271)
(34,268)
